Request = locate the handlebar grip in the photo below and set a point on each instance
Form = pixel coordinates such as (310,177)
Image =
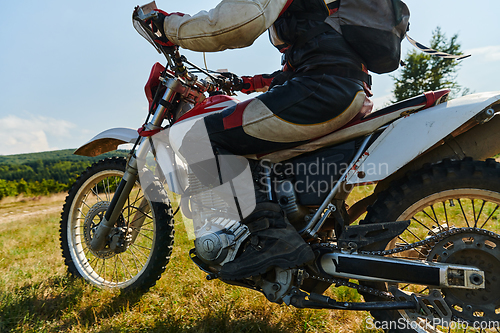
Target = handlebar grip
(238,84)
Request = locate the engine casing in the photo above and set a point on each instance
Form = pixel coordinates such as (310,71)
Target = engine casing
(218,241)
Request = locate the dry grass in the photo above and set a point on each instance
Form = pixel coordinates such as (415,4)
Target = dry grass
(37,295)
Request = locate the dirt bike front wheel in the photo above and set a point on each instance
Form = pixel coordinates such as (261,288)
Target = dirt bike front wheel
(140,245)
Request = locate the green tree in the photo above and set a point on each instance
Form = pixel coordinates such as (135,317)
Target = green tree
(423,72)
(7,188)
(22,187)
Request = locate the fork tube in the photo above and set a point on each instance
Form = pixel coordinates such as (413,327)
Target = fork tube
(115,207)
(173,86)
(131,173)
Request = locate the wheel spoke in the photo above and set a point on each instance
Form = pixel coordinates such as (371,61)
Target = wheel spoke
(418,238)
(150,222)
(136,258)
(434,220)
(446,215)
(96,193)
(142,229)
(105,275)
(140,217)
(102,267)
(473,212)
(145,214)
(83,202)
(135,262)
(93,260)
(415,249)
(493,212)
(479,214)
(437,220)
(81,212)
(423,225)
(126,268)
(141,234)
(143,247)
(462,209)
(137,198)
(421,291)
(107,189)
(138,250)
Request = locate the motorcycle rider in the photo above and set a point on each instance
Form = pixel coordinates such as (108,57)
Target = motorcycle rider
(322,86)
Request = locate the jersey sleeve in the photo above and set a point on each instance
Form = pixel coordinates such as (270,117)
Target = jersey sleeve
(232,24)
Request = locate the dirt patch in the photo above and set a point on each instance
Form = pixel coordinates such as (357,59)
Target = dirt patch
(20,208)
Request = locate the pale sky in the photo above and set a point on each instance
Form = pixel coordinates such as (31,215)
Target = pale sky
(71,69)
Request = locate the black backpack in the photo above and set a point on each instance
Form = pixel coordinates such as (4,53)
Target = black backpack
(373,28)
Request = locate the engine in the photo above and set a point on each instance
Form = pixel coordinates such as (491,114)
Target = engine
(218,235)
(218,241)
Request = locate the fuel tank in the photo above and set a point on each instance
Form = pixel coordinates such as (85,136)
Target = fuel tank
(211,104)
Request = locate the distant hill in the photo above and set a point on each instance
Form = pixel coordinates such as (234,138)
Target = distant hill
(55,155)
(44,173)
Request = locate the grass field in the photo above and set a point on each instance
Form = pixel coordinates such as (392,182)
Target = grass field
(36,295)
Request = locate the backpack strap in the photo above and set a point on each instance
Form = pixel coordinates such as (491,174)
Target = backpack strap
(303,38)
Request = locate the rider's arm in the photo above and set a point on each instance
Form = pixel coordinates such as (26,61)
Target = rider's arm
(232,24)
(258,83)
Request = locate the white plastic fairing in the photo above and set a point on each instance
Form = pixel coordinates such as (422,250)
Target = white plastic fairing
(408,137)
(211,185)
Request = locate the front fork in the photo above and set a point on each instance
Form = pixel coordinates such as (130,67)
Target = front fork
(98,242)
(114,211)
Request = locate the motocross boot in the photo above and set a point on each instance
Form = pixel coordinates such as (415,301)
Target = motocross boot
(273,241)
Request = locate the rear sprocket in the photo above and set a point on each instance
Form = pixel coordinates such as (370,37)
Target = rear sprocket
(479,249)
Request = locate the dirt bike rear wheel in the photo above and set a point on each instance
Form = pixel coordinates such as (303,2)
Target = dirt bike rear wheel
(447,195)
(145,248)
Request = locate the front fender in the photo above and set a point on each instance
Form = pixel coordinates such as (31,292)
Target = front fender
(106,141)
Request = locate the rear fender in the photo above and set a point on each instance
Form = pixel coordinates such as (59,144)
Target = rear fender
(409,137)
(107,141)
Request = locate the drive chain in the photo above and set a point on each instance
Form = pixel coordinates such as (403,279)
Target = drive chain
(428,241)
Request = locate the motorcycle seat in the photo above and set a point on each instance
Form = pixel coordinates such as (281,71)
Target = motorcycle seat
(363,124)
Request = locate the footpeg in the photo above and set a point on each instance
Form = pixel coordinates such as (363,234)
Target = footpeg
(432,308)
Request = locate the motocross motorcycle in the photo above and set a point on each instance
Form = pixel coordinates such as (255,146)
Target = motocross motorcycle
(427,252)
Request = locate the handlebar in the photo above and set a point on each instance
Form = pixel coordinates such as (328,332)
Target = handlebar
(227,82)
